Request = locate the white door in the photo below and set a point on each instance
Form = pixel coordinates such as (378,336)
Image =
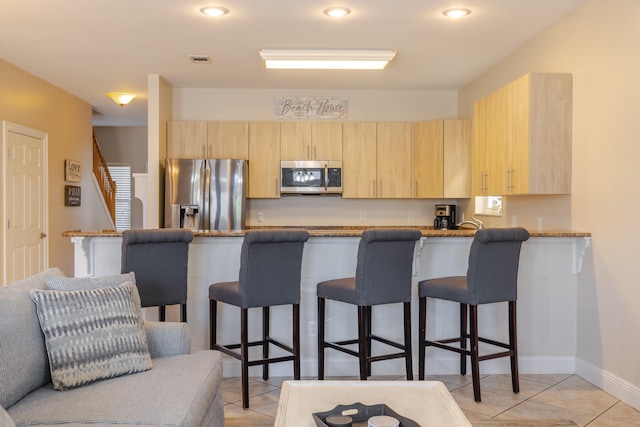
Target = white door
(25,202)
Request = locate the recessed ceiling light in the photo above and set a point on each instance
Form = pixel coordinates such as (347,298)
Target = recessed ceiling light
(456,13)
(317,59)
(214,10)
(337,12)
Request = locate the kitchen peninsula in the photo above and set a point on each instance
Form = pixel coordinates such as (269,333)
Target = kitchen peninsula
(550,266)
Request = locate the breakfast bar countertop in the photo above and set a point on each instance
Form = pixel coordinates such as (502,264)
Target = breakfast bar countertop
(338,231)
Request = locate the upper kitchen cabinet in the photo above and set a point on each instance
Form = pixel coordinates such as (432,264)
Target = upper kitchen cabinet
(441,159)
(394,160)
(186,139)
(264,160)
(428,159)
(212,140)
(523,137)
(457,159)
(228,140)
(311,140)
(359,160)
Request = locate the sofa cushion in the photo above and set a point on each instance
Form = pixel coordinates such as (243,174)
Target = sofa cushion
(23,357)
(5,419)
(59,283)
(91,334)
(178,391)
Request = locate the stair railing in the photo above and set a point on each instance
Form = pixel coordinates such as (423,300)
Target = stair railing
(106,183)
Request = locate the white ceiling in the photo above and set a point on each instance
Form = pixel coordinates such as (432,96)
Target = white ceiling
(91,47)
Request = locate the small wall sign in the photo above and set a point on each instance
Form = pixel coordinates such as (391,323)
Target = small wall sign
(72,171)
(311,108)
(72,196)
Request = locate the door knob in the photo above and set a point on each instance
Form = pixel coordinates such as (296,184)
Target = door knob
(43,235)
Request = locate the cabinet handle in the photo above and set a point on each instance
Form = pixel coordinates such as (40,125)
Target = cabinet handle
(277,186)
(511,179)
(417,189)
(374,188)
(308,152)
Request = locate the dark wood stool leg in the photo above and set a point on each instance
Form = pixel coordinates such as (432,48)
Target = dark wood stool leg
(213,323)
(265,342)
(183,313)
(513,344)
(321,304)
(368,329)
(407,340)
(362,341)
(163,313)
(463,338)
(475,363)
(296,341)
(422,326)
(244,356)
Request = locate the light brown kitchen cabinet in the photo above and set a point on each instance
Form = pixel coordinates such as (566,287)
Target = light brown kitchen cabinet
(441,159)
(359,160)
(311,140)
(394,160)
(264,160)
(427,142)
(186,139)
(457,159)
(523,137)
(228,140)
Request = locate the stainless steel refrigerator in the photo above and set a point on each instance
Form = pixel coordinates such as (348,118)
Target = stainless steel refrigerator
(205,194)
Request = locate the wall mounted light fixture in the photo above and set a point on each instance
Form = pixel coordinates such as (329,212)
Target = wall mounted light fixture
(121,98)
(363,59)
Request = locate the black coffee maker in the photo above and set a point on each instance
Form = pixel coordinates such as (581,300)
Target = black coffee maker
(445,217)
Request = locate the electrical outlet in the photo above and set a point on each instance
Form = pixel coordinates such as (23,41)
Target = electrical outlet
(260,217)
(412,217)
(312,328)
(363,216)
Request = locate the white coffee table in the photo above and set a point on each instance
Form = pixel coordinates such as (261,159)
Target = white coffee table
(428,403)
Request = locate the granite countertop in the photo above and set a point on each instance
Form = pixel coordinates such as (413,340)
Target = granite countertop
(338,231)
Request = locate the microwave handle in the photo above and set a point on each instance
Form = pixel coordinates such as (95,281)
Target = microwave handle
(326,177)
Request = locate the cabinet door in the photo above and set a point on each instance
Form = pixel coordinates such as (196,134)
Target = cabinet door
(295,140)
(427,159)
(228,140)
(499,147)
(359,160)
(326,141)
(186,139)
(480,147)
(517,174)
(264,160)
(394,160)
(457,159)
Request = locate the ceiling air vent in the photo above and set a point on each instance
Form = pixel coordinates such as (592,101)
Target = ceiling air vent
(200,59)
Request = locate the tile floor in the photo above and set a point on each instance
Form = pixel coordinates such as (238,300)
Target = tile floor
(540,397)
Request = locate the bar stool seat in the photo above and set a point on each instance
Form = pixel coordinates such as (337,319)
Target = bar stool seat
(492,277)
(270,270)
(383,276)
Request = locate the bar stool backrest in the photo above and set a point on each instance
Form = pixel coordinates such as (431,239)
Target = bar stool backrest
(270,267)
(492,275)
(159,258)
(384,266)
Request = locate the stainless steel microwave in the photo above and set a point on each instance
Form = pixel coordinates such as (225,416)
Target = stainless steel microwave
(311,177)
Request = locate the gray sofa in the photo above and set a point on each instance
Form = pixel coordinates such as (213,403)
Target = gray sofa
(180,389)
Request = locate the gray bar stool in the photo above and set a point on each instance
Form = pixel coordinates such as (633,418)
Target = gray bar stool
(383,276)
(270,270)
(159,259)
(492,276)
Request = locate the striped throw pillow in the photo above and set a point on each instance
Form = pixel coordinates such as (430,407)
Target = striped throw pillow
(91,335)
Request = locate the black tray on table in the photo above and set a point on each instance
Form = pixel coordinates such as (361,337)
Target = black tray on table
(361,415)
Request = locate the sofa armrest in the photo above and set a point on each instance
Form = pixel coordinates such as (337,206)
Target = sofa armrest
(167,338)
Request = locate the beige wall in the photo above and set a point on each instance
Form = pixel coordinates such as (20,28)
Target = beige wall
(31,102)
(599,45)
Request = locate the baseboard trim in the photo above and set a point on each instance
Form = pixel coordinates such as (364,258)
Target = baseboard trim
(615,386)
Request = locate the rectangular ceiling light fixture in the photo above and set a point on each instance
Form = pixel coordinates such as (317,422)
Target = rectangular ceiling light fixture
(310,59)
